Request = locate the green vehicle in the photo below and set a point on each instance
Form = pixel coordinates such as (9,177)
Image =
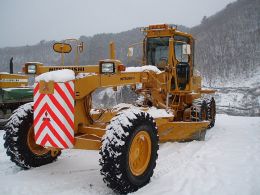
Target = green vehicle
(12,98)
(14,91)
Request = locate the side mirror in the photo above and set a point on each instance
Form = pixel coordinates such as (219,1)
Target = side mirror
(186,49)
(62,47)
(130,52)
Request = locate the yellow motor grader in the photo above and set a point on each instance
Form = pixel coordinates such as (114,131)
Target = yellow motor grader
(127,136)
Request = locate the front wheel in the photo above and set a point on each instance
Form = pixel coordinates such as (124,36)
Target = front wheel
(129,151)
(19,140)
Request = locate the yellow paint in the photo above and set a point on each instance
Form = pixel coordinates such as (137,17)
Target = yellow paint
(13,80)
(62,47)
(180,131)
(87,142)
(140,153)
(112,50)
(46,87)
(35,148)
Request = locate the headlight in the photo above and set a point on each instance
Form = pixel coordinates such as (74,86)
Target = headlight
(31,69)
(107,67)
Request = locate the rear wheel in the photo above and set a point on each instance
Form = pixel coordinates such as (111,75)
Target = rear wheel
(19,140)
(129,151)
(211,112)
(199,112)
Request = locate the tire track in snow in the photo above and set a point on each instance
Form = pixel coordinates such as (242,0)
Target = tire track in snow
(176,159)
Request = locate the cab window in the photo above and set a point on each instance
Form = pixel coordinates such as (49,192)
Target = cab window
(178,45)
(179,52)
(157,51)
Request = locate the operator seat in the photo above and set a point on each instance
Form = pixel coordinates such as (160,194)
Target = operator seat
(183,74)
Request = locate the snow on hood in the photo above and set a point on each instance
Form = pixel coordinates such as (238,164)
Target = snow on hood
(158,113)
(56,76)
(143,69)
(153,111)
(85,74)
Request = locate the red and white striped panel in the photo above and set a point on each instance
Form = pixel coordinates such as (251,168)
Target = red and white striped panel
(54,116)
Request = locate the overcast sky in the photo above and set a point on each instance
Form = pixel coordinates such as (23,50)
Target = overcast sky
(26,22)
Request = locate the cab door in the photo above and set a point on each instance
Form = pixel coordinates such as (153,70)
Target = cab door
(182,61)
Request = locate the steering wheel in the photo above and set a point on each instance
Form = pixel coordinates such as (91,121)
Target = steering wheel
(163,59)
(162,62)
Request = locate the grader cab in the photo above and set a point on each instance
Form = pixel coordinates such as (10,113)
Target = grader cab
(128,135)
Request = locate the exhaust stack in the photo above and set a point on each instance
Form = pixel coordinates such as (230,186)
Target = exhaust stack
(11,65)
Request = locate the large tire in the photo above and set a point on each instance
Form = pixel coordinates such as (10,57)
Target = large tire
(211,112)
(129,151)
(199,112)
(19,140)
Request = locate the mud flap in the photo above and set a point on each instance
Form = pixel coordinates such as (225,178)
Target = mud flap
(54,114)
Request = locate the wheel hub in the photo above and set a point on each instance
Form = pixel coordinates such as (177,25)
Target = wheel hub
(35,148)
(140,153)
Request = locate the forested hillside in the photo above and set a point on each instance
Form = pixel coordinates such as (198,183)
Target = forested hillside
(227,54)
(228,43)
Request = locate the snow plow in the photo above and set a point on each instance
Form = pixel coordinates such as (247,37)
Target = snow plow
(127,136)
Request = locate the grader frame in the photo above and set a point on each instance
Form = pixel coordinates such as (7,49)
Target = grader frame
(88,133)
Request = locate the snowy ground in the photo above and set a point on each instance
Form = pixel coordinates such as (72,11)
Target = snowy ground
(226,163)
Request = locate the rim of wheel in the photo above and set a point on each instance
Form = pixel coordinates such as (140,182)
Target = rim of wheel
(203,115)
(35,148)
(213,110)
(140,153)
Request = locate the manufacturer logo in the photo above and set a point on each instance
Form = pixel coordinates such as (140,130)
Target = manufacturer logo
(76,69)
(45,87)
(46,118)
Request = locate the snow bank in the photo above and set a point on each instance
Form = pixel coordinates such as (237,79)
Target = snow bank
(56,76)
(143,69)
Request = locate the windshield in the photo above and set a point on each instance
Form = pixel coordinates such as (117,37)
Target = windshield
(157,51)
(178,48)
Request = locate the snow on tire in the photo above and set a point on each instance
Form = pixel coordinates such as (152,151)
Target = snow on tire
(19,140)
(199,113)
(202,108)
(129,151)
(211,112)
